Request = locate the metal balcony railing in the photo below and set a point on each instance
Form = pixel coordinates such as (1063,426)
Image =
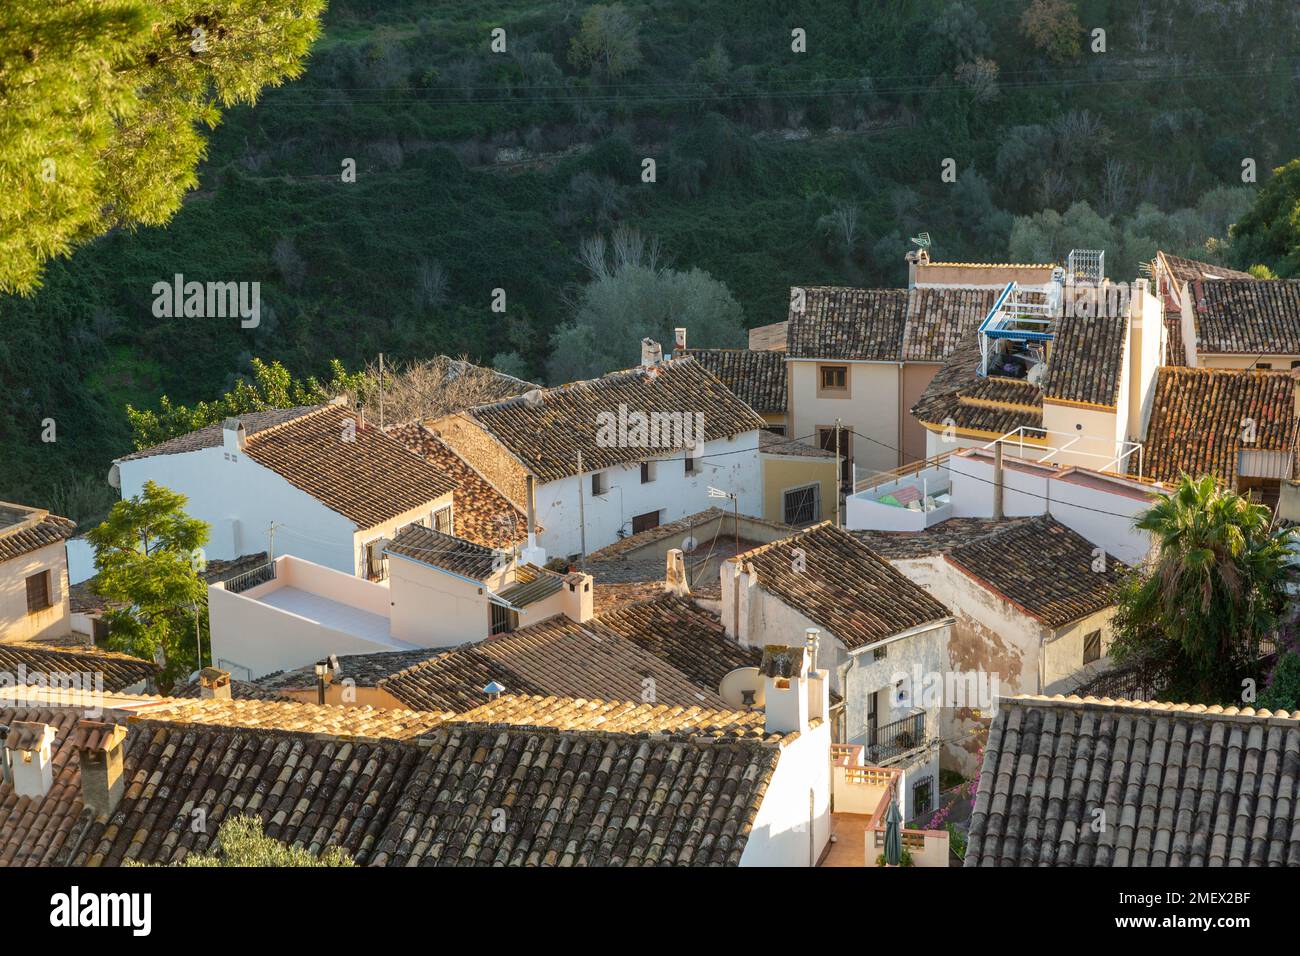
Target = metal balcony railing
(251,579)
(897,737)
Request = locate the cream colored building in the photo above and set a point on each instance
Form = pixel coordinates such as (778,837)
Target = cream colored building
(33,573)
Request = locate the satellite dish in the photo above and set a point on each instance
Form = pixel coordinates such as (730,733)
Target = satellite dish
(735,685)
(689,544)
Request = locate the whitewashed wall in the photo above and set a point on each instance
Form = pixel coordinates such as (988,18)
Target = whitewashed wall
(673,493)
(793,822)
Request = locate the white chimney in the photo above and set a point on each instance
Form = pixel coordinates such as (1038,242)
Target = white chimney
(675,577)
(493,690)
(915,258)
(214,684)
(31,761)
(100,751)
(796,694)
(679,339)
(531,553)
(652,353)
(233,437)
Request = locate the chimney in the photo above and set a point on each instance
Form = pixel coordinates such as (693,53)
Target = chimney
(652,353)
(233,437)
(679,340)
(493,690)
(675,578)
(915,258)
(578,597)
(531,553)
(100,750)
(795,693)
(214,684)
(28,748)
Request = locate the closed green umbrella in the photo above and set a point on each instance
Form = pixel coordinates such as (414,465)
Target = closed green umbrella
(893,835)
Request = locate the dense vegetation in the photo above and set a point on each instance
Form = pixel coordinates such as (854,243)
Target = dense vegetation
(478,171)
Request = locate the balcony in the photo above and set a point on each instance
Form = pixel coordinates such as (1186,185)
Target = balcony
(890,741)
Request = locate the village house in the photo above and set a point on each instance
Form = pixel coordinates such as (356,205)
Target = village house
(66,797)
(877,630)
(597,460)
(1032,603)
(438,591)
(33,573)
(757,377)
(1086,782)
(319,483)
(83,671)
(1223,318)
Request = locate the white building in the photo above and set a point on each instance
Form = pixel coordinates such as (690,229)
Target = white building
(877,630)
(317,483)
(33,573)
(597,460)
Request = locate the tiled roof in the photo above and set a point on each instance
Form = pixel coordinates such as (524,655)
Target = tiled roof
(547,430)
(119,671)
(1247,316)
(936,539)
(1175,784)
(482,513)
(532,584)
(709,520)
(757,377)
(770,443)
(609,658)
(959,395)
(773,336)
(1043,568)
(1198,417)
(445,551)
(519,781)
(33,831)
(1187,270)
(358,722)
(610,596)
(348,465)
(241,690)
(1086,360)
(212,436)
(30,535)
(850,324)
(364,670)
(938,319)
(842,585)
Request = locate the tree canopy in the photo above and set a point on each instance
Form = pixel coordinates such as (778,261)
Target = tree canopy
(1268,233)
(102,103)
(241,841)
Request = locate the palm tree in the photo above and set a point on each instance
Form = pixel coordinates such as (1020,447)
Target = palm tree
(1214,587)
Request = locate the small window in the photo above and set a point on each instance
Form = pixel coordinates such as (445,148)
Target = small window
(922,797)
(776,429)
(1296,364)
(691,464)
(880,653)
(376,568)
(647,472)
(442,520)
(1092,647)
(835,378)
(645,522)
(503,620)
(598,483)
(38,592)
(800,506)
(1265,366)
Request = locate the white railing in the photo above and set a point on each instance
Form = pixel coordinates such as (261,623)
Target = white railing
(1038,438)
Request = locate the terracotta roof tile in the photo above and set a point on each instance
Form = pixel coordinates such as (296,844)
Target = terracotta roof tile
(944,536)
(1175,784)
(33,830)
(1187,270)
(1199,415)
(1043,567)
(349,466)
(547,429)
(118,671)
(1086,359)
(448,552)
(482,513)
(959,396)
(938,319)
(842,585)
(851,324)
(212,436)
(1247,316)
(24,531)
(757,377)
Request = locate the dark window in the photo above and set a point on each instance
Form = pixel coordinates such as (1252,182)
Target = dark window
(1092,647)
(1264,365)
(376,564)
(835,377)
(1296,364)
(442,520)
(645,522)
(801,505)
(690,465)
(922,797)
(776,429)
(503,619)
(647,472)
(880,653)
(38,592)
(598,483)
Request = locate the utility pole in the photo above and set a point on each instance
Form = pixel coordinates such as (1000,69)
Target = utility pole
(838,472)
(997,481)
(270,541)
(582,515)
(381,390)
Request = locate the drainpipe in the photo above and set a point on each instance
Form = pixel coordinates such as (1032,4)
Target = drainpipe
(997,481)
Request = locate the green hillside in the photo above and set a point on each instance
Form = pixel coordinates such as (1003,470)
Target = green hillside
(479,170)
